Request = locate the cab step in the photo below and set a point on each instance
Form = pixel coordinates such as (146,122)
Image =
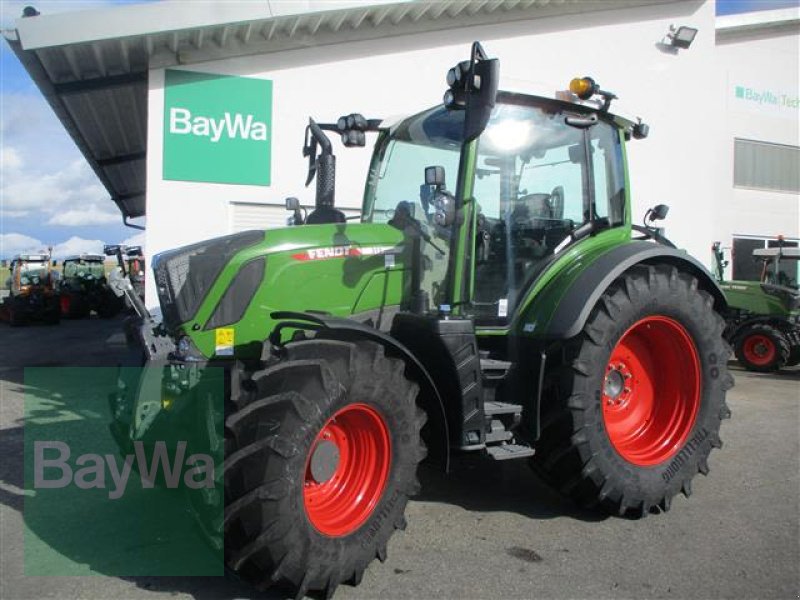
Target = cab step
(509,451)
(492,408)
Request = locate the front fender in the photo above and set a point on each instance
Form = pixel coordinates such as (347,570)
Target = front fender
(350,329)
(575,299)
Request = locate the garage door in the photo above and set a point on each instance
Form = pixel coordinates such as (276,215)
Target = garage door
(246,215)
(250,215)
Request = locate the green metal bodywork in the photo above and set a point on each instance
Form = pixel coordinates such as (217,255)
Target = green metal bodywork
(751,296)
(341,285)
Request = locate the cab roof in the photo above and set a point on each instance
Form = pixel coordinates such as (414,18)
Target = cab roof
(86,258)
(787,253)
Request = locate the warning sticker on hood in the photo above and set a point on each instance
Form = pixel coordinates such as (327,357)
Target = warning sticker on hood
(224,341)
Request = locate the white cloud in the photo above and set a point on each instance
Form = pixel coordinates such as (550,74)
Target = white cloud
(91,215)
(26,189)
(9,159)
(135,240)
(77,245)
(17,243)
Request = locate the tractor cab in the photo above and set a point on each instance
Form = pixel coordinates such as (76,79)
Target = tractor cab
(83,270)
(31,273)
(84,288)
(780,266)
(529,192)
(32,291)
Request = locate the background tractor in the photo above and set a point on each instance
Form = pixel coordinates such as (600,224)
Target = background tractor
(130,261)
(83,288)
(32,291)
(490,300)
(764,316)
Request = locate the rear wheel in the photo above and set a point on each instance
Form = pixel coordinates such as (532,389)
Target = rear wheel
(321,453)
(633,413)
(15,317)
(794,356)
(762,347)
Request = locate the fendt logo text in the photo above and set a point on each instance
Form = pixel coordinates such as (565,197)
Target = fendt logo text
(246,127)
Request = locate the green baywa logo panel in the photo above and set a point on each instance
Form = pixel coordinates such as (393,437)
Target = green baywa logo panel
(217,128)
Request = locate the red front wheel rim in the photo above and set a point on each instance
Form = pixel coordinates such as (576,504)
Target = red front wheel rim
(759,349)
(346,470)
(651,391)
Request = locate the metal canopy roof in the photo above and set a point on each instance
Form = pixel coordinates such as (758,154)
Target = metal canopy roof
(92,66)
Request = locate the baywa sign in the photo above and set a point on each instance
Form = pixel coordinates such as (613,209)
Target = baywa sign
(217,128)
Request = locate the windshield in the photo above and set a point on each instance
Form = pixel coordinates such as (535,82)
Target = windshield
(534,186)
(432,138)
(83,269)
(32,273)
(398,195)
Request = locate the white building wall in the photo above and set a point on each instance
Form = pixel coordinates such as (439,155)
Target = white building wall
(676,93)
(763,62)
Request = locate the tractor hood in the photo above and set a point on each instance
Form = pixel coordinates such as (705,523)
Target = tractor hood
(235,282)
(765,299)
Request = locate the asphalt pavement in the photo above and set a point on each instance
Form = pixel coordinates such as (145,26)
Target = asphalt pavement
(487,530)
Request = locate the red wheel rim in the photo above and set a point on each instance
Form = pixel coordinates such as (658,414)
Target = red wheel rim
(346,470)
(651,391)
(759,349)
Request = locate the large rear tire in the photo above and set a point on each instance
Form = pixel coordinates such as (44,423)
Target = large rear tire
(762,348)
(634,410)
(321,454)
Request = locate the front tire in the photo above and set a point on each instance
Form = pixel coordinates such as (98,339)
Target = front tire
(321,457)
(762,348)
(635,409)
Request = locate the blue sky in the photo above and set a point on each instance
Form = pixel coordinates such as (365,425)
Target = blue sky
(48,194)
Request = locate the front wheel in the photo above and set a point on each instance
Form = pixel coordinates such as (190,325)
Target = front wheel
(321,457)
(634,411)
(761,347)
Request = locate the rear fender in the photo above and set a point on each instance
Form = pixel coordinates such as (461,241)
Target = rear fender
(574,307)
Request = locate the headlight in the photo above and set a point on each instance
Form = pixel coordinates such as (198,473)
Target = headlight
(184,346)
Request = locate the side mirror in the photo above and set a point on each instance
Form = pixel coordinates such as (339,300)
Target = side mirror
(298,212)
(658,212)
(435,176)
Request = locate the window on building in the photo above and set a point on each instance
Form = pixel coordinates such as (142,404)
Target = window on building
(763,166)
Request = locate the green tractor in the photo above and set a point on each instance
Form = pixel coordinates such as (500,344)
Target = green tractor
(33,293)
(764,316)
(84,288)
(492,300)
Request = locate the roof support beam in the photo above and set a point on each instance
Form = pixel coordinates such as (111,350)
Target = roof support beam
(100,83)
(120,159)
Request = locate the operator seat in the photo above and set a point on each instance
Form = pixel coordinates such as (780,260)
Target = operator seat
(325,214)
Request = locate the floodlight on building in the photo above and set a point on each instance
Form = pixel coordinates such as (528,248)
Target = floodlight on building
(679,37)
